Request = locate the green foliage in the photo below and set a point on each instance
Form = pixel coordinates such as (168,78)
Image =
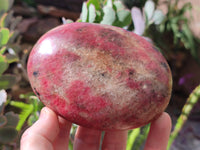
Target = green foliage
(143,20)
(132,137)
(152,15)
(7,81)
(109,14)
(84,14)
(4,36)
(29,112)
(26,110)
(8,123)
(191,101)
(92,15)
(5,5)
(11,123)
(7,37)
(3,64)
(149,8)
(7,134)
(106,12)
(122,13)
(137,138)
(177,23)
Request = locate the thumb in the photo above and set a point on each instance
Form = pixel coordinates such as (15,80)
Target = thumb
(42,133)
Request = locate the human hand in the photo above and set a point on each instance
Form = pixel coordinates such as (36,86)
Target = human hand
(51,132)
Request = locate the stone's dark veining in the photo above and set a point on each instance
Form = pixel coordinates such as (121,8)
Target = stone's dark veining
(35,73)
(102,74)
(131,72)
(36,92)
(164,65)
(82,29)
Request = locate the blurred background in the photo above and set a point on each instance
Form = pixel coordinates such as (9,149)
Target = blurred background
(173,26)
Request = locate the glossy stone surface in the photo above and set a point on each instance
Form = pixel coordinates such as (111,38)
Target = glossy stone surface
(100,76)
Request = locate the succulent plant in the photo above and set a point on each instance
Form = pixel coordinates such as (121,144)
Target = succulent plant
(106,12)
(8,34)
(8,123)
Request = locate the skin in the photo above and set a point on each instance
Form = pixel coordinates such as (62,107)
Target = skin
(51,132)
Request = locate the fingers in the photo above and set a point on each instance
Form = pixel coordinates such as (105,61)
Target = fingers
(52,132)
(87,139)
(115,140)
(159,133)
(41,135)
(62,140)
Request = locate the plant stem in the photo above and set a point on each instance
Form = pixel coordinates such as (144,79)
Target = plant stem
(191,101)
(132,137)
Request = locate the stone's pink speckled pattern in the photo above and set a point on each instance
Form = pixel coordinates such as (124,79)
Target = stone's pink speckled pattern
(100,76)
(81,98)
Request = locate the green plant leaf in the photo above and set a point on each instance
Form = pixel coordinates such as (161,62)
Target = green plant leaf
(8,135)
(109,3)
(188,40)
(4,36)
(27,109)
(123,14)
(192,100)
(37,106)
(8,18)
(3,120)
(13,36)
(99,16)
(141,137)
(2,20)
(149,8)
(3,64)
(95,3)
(7,81)
(66,21)
(11,58)
(132,137)
(6,5)
(92,14)
(124,17)
(2,50)
(109,15)
(118,5)
(158,17)
(186,7)
(12,119)
(84,12)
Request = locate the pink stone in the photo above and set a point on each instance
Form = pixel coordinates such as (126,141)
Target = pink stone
(100,76)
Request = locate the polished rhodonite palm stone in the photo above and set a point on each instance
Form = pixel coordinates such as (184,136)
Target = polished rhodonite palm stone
(100,76)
